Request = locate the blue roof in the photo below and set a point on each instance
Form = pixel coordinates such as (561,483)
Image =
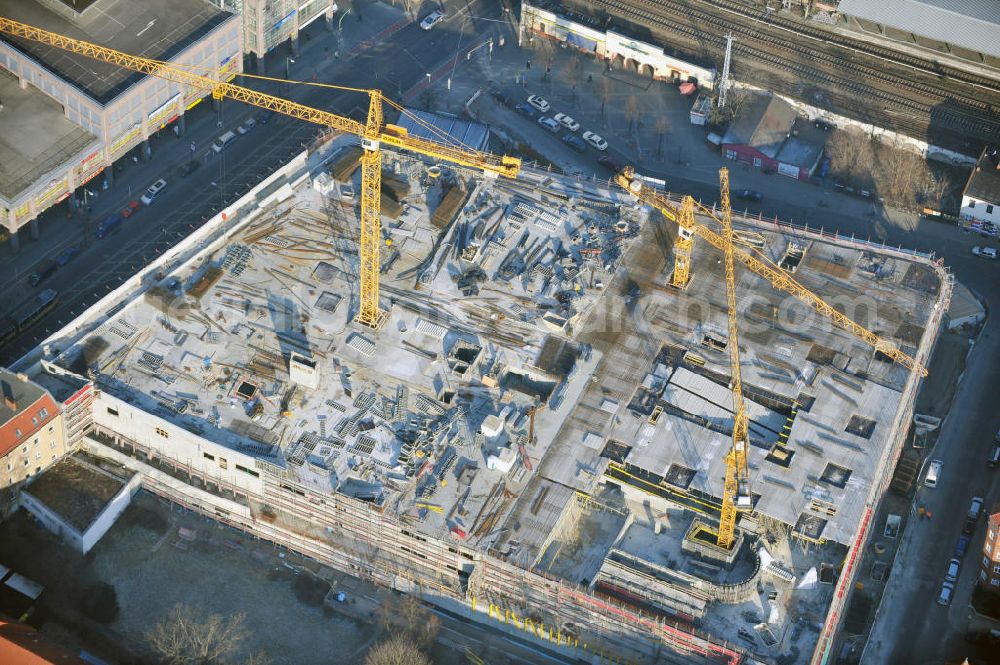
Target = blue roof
(971,24)
(473,135)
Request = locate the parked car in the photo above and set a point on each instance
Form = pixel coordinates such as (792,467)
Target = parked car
(153,191)
(944,598)
(130,209)
(610,163)
(985,252)
(42,272)
(108,225)
(264,117)
(220,143)
(595,141)
(975,507)
(539,103)
(247,125)
(566,121)
(575,142)
(961,545)
(432,19)
(67,255)
(549,124)
(952,573)
(994,459)
(933,473)
(189,168)
(526,110)
(749,195)
(823,124)
(502,98)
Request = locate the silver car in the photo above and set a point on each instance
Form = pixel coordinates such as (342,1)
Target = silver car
(947,589)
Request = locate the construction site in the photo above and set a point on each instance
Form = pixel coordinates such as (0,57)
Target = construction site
(631,427)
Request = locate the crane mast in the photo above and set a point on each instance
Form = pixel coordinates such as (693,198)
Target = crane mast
(764,267)
(373,133)
(736,490)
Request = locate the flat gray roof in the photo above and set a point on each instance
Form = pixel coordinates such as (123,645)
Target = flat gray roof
(436,126)
(158,30)
(984,183)
(35,136)
(972,24)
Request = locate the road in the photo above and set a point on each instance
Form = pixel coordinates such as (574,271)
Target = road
(393,64)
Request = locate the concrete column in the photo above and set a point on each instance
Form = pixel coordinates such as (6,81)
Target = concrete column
(146,151)
(74,203)
(33,229)
(15,242)
(181,125)
(109,174)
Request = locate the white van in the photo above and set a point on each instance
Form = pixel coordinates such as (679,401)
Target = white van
(153,191)
(224,140)
(933,472)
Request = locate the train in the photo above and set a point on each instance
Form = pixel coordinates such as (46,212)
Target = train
(26,315)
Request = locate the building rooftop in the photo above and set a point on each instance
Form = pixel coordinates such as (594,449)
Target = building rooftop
(61,386)
(23,645)
(984,182)
(76,490)
(157,30)
(35,136)
(435,126)
(763,123)
(25,408)
(804,145)
(972,24)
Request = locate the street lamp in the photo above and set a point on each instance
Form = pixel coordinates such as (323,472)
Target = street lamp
(289,61)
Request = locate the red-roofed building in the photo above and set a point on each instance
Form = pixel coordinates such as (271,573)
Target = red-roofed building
(32,435)
(21,644)
(989,566)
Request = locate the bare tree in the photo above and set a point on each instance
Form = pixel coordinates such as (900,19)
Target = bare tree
(397,651)
(573,71)
(662,126)
(631,112)
(604,90)
(852,155)
(188,637)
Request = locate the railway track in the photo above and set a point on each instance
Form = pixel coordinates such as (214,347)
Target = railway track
(801,28)
(913,105)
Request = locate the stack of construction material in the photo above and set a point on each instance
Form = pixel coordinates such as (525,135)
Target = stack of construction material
(449,207)
(347,164)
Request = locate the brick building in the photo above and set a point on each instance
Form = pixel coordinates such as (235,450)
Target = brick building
(989,566)
(32,435)
(769,134)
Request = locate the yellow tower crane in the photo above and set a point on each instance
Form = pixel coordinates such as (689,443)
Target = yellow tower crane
(764,267)
(736,490)
(373,133)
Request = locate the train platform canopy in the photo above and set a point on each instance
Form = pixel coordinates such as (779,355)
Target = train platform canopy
(428,125)
(970,24)
(157,30)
